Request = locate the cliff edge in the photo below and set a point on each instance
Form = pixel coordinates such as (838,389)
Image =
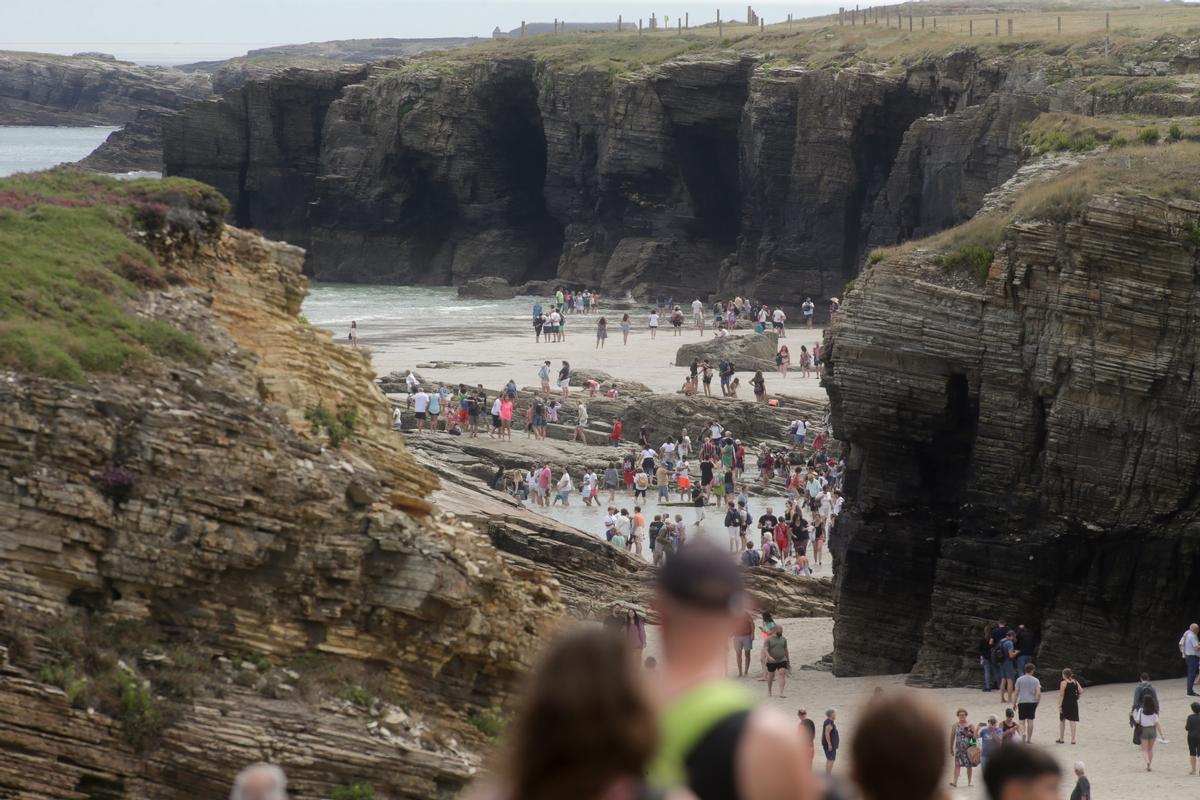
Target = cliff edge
(1018,399)
(213,548)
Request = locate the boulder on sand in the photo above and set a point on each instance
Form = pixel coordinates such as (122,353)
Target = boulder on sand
(580,376)
(490,288)
(750,352)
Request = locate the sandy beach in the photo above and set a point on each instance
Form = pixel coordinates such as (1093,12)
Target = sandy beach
(493,353)
(1114,764)
(492,358)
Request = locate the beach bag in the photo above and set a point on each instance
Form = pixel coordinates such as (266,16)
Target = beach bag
(974,755)
(1137,729)
(758,328)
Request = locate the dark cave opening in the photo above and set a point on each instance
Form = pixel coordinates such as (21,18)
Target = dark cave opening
(877,139)
(516,145)
(943,464)
(708,163)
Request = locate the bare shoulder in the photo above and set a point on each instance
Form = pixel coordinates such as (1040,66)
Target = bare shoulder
(773,760)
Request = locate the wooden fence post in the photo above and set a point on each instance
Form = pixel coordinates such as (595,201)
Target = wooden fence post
(1010,26)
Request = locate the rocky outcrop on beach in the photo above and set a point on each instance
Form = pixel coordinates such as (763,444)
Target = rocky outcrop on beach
(1025,446)
(211,562)
(752,351)
(706,174)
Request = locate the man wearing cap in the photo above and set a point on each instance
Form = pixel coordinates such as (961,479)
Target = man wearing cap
(713,741)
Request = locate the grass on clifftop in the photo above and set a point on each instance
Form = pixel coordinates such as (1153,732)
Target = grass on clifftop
(1165,171)
(71,270)
(1134,33)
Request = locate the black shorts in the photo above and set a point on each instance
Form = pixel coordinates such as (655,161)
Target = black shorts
(1193,747)
(1026,710)
(639,493)
(771,667)
(495,420)
(420,414)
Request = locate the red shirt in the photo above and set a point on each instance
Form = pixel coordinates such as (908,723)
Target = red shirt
(781,535)
(616,432)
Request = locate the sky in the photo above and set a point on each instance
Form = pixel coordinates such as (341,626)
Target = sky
(175,31)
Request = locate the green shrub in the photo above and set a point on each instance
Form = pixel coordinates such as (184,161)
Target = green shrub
(357,695)
(1148,136)
(1191,233)
(140,717)
(490,723)
(971,257)
(1174,133)
(355,791)
(338,427)
(875,257)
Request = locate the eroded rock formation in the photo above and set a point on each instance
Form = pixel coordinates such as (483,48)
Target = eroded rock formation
(711,173)
(196,508)
(1025,447)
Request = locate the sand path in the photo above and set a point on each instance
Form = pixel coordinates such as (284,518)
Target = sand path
(1114,764)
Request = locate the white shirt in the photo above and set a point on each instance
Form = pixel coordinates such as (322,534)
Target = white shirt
(496,407)
(411,380)
(648,453)
(610,522)
(589,482)
(583,417)
(668,450)
(564,483)
(624,524)
(762,315)
(697,308)
(653,320)
(421,402)
(778,315)
(1191,644)
(684,447)
(715,430)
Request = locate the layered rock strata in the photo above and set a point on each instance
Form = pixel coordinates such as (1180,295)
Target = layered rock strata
(720,173)
(1023,448)
(201,509)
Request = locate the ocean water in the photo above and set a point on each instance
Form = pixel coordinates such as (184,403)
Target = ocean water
(27,148)
(390,314)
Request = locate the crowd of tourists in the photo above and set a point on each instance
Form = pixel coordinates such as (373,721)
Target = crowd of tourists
(596,721)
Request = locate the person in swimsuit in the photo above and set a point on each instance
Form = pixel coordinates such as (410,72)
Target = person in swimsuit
(625,326)
(777,661)
(601,332)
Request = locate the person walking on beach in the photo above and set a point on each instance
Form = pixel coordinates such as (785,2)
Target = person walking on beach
(1143,688)
(420,407)
(760,387)
(783,360)
(581,423)
(1189,648)
(353,336)
(653,324)
(1148,727)
(962,739)
(601,332)
(1069,692)
(1083,787)
(1008,669)
(805,362)
(1029,694)
(830,739)
(713,740)
(743,643)
(565,486)
(806,309)
(1192,726)
(778,318)
(564,379)
(777,662)
(544,376)
(625,326)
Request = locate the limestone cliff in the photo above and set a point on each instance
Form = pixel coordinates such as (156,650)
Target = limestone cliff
(1018,401)
(231,559)
(720,171)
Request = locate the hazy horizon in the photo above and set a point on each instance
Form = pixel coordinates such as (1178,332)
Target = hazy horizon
(152,31)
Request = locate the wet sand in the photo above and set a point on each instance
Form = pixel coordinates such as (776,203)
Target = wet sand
(650,361)
(1114,764)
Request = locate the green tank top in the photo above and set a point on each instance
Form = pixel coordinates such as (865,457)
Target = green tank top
(685,722)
